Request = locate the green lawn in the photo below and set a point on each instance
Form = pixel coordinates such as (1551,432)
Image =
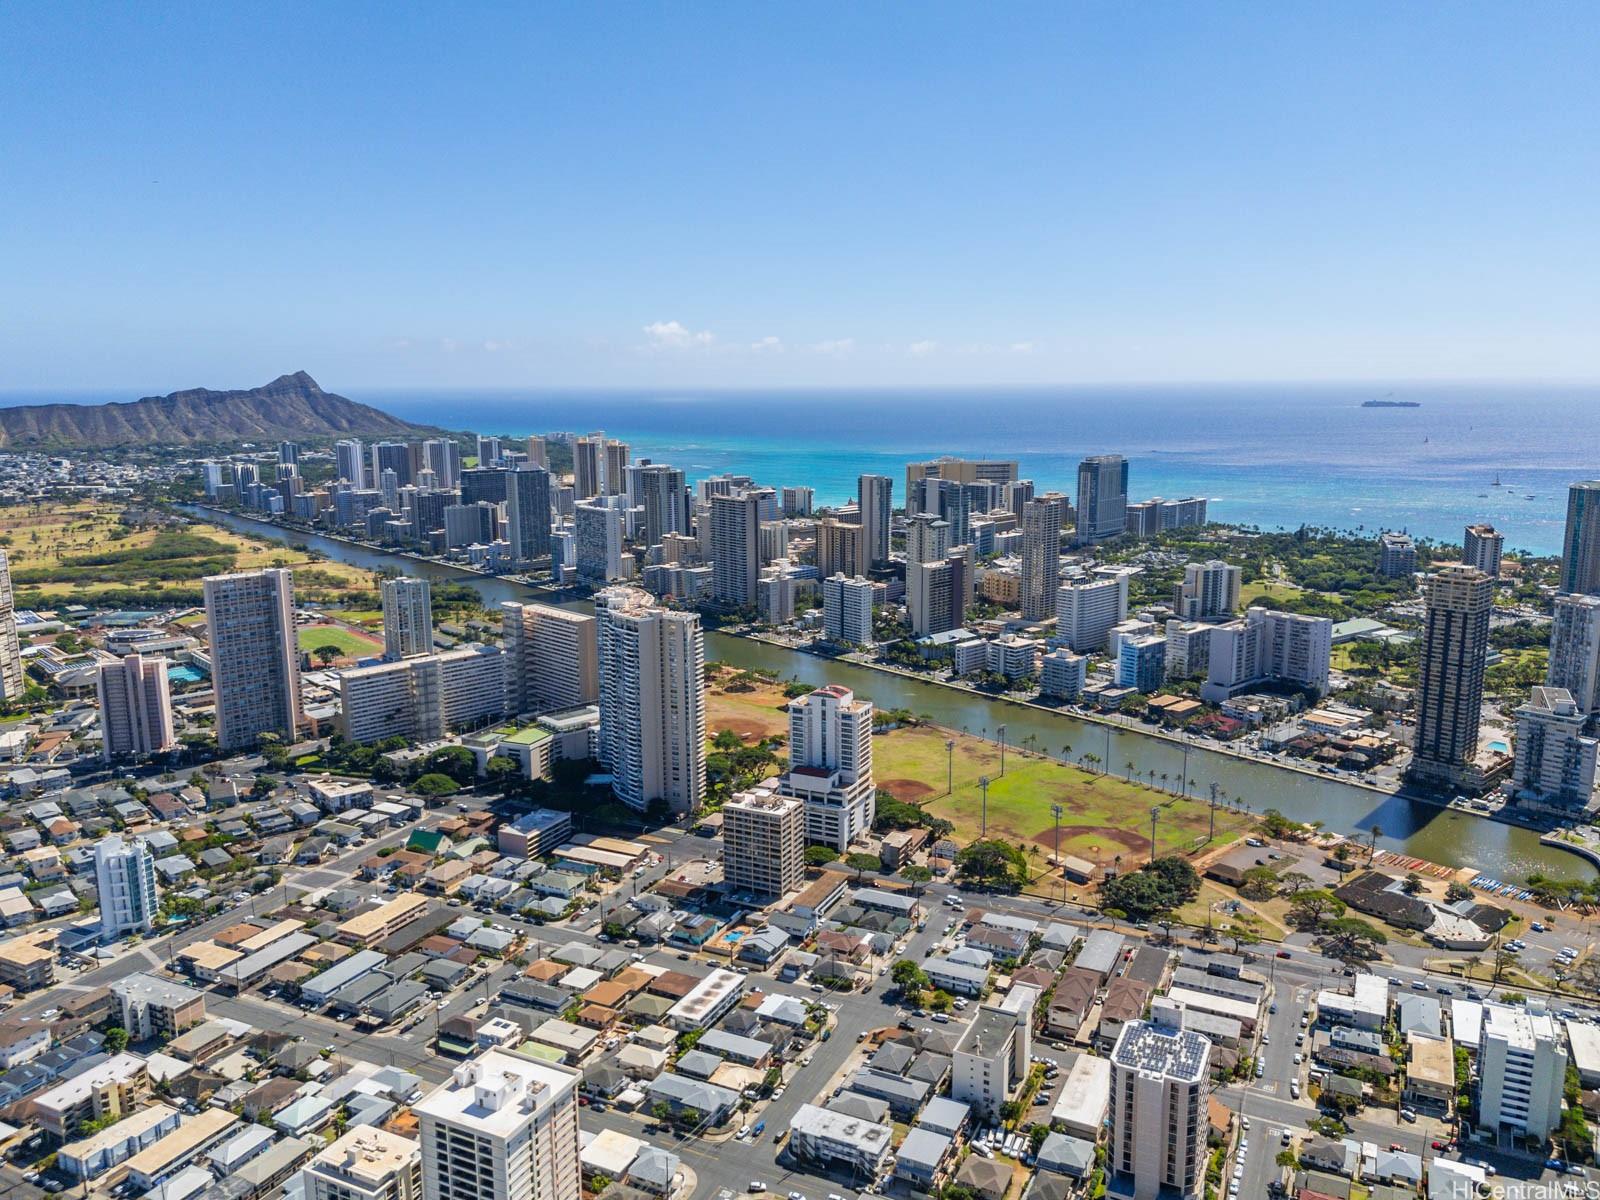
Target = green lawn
(1262,589)
(351,645)
(1103,817)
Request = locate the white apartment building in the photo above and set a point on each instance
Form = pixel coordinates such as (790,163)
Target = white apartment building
(135,707)
(1157,1145)
(1268,646)
(1087,610)
(1062,674)
(847,609)
(349,461)
(1575,649)
(407,617)
(1188,649)
(551,657)
(1209,591)
(1522,1065)
(366,1163)
(1555,762)
(255,658)
(830,765)
(763,844)
(652,700)
(992,1057)
(425,697)
(503,1127)
(125,877)
(12,680)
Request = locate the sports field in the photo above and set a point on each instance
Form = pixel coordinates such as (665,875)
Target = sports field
(1103,816)
(349,643)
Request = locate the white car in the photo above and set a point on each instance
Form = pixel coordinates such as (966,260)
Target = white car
(757,1186)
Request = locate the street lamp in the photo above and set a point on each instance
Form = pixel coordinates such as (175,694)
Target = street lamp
(950,766)
(983,784)
(1155,815)
(1000,733)
(1055,811)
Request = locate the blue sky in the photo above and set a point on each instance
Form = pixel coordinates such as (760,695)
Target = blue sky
(698,194)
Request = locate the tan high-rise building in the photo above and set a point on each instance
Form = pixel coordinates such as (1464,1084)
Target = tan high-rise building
(503,1127)
(962,470)
(838,547)
(763,844)
(1209,591)
(1481,547)
(1041,555)
(875,501)
(12,680)
(135,708)
(255,658)
(652,700)
(1455,644)
(551,658)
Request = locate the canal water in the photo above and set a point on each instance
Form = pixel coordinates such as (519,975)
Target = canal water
(1409,826)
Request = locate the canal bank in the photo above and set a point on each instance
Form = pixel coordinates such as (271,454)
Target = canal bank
(1408,826)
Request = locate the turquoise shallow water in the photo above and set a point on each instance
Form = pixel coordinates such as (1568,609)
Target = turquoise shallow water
(1274,457)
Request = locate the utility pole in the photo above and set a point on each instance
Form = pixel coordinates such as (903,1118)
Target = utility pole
(983,783)
(1155,815)
(1000,733)
(950,767)
(1055,811)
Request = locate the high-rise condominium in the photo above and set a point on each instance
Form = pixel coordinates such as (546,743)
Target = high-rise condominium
(962,470)
(830,765)
(1041,555)
(1159,1072)
(1088,609)
(366,1163)
(797,501)
(550,657)
(1397,555)
(1580,551)
(135,707)
(1268,647)
(763,844)
(12,681)
(875,500)
(1455,643)
(652,700)
(528,512)
(598,529)
(255,659)
(660,491)
(1481,547)
(288,453)
(125,877)
(443,457)
(736,546)
(838,547)
(1575,649)
(1209,591)
(391,456)
(423,697)
(946,499)
(1522,1065)
(489,451)
(504,1126)
(1555,761)
(847,609)
(349,462)
(1102,497)
(538,451)
(599,466)
(407,617)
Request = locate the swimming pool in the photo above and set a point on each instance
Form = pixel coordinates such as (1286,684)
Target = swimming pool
(1499,747)
(184,673)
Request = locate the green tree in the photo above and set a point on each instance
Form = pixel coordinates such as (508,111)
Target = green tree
(821,856)
(908,976)
(326,654)
(434,784)
(916,875)
(992,864)
(1350,940)
(861,863)
(116,1040)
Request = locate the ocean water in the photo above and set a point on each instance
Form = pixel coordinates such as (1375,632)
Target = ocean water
(1277,457)
(1273,457)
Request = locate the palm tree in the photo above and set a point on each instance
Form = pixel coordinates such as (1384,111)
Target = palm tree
(1129,767)
(1374,833)
(1066,752)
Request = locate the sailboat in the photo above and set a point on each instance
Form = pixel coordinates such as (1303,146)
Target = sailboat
(1497,479)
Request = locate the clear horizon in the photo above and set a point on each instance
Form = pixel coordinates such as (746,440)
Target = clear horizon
(706,197)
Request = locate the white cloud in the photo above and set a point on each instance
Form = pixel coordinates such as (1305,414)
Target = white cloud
(835,346)
(1022,347)
(492,345)
(926,346)
(768,345)
(674,335)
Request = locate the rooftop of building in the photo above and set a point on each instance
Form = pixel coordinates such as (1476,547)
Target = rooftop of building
(496,1091)
(1158,1049)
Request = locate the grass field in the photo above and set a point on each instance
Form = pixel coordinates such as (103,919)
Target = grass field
(350,643)
(1264,589)
(56,538)
(1104,816)
(752,714)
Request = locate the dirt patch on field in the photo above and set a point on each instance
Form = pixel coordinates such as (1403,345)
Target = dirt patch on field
(748,731)
(909,790)
(1112,842)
